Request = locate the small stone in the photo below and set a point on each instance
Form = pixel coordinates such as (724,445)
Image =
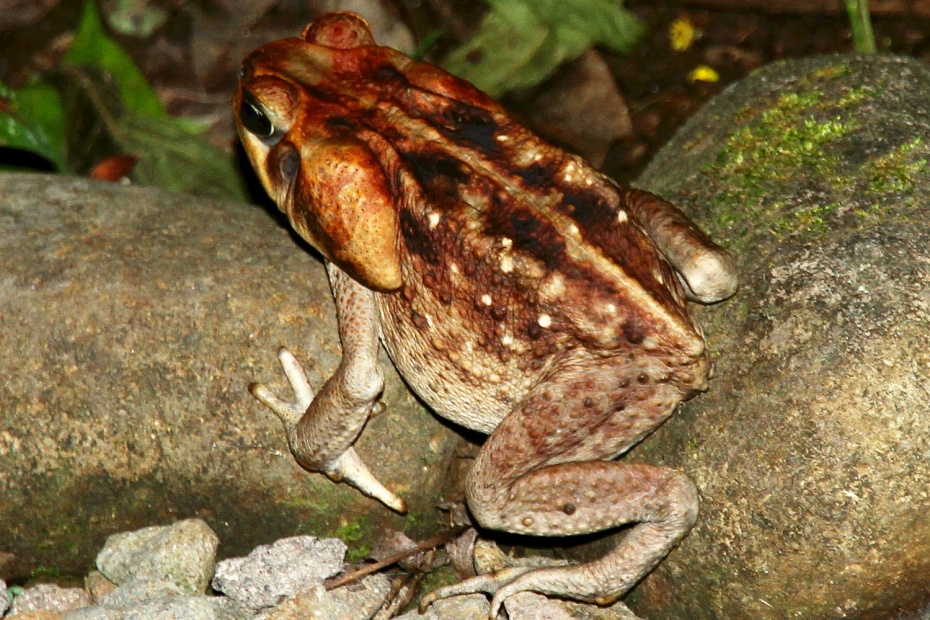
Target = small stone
(4,598)
(49,597)
(136,591)
(97,585)
(466,607)
(93,612)
(183,553)
(313,603)
(360,600)
(188,608)
(41,614)
(271,573)
(183,607)
(364,598)
(533,606)
(488,557)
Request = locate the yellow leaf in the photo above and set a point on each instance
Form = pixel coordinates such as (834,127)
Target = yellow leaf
(681,34)
(703,73)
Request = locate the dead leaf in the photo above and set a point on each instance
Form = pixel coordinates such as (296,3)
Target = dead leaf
(21,13)
(582,108)
(113,169)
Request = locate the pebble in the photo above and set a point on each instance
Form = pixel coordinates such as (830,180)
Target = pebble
(161,573)
(49,597)
(183,553)
(272,573)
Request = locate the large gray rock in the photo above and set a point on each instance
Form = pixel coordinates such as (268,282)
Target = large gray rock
(812,448)
(131,322)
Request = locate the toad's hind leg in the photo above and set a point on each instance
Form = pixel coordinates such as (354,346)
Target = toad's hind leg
(662,502)
(542,472)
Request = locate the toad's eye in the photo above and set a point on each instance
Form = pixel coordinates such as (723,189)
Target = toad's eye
(255,119)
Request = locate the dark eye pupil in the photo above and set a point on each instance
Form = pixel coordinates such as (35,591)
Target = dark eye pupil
(254,119)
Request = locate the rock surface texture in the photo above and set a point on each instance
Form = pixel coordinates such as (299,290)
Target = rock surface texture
(812,448)
(131,323)
(273,572)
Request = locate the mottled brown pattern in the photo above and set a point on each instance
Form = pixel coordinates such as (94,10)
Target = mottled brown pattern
(520,293)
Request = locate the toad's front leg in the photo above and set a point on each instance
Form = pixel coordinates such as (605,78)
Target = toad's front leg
(707,272)
(321,428)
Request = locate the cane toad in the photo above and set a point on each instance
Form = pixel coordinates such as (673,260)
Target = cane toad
(520,292)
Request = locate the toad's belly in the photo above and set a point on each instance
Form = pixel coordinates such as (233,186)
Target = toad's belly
(457,385)
(474,368)
(472,383)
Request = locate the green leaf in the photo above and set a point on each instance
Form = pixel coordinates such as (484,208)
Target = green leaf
(522,42)
(170,153)
(32,121)
(93,47)
(172,157)
(92,109)
(40,103)
(97,104)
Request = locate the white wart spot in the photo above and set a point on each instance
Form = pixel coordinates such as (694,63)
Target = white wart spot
(506,264)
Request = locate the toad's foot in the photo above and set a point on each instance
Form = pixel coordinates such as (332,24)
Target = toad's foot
(346,467)
(507,582)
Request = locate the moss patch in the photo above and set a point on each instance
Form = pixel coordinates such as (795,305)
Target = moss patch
(791,136)
(895,174)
